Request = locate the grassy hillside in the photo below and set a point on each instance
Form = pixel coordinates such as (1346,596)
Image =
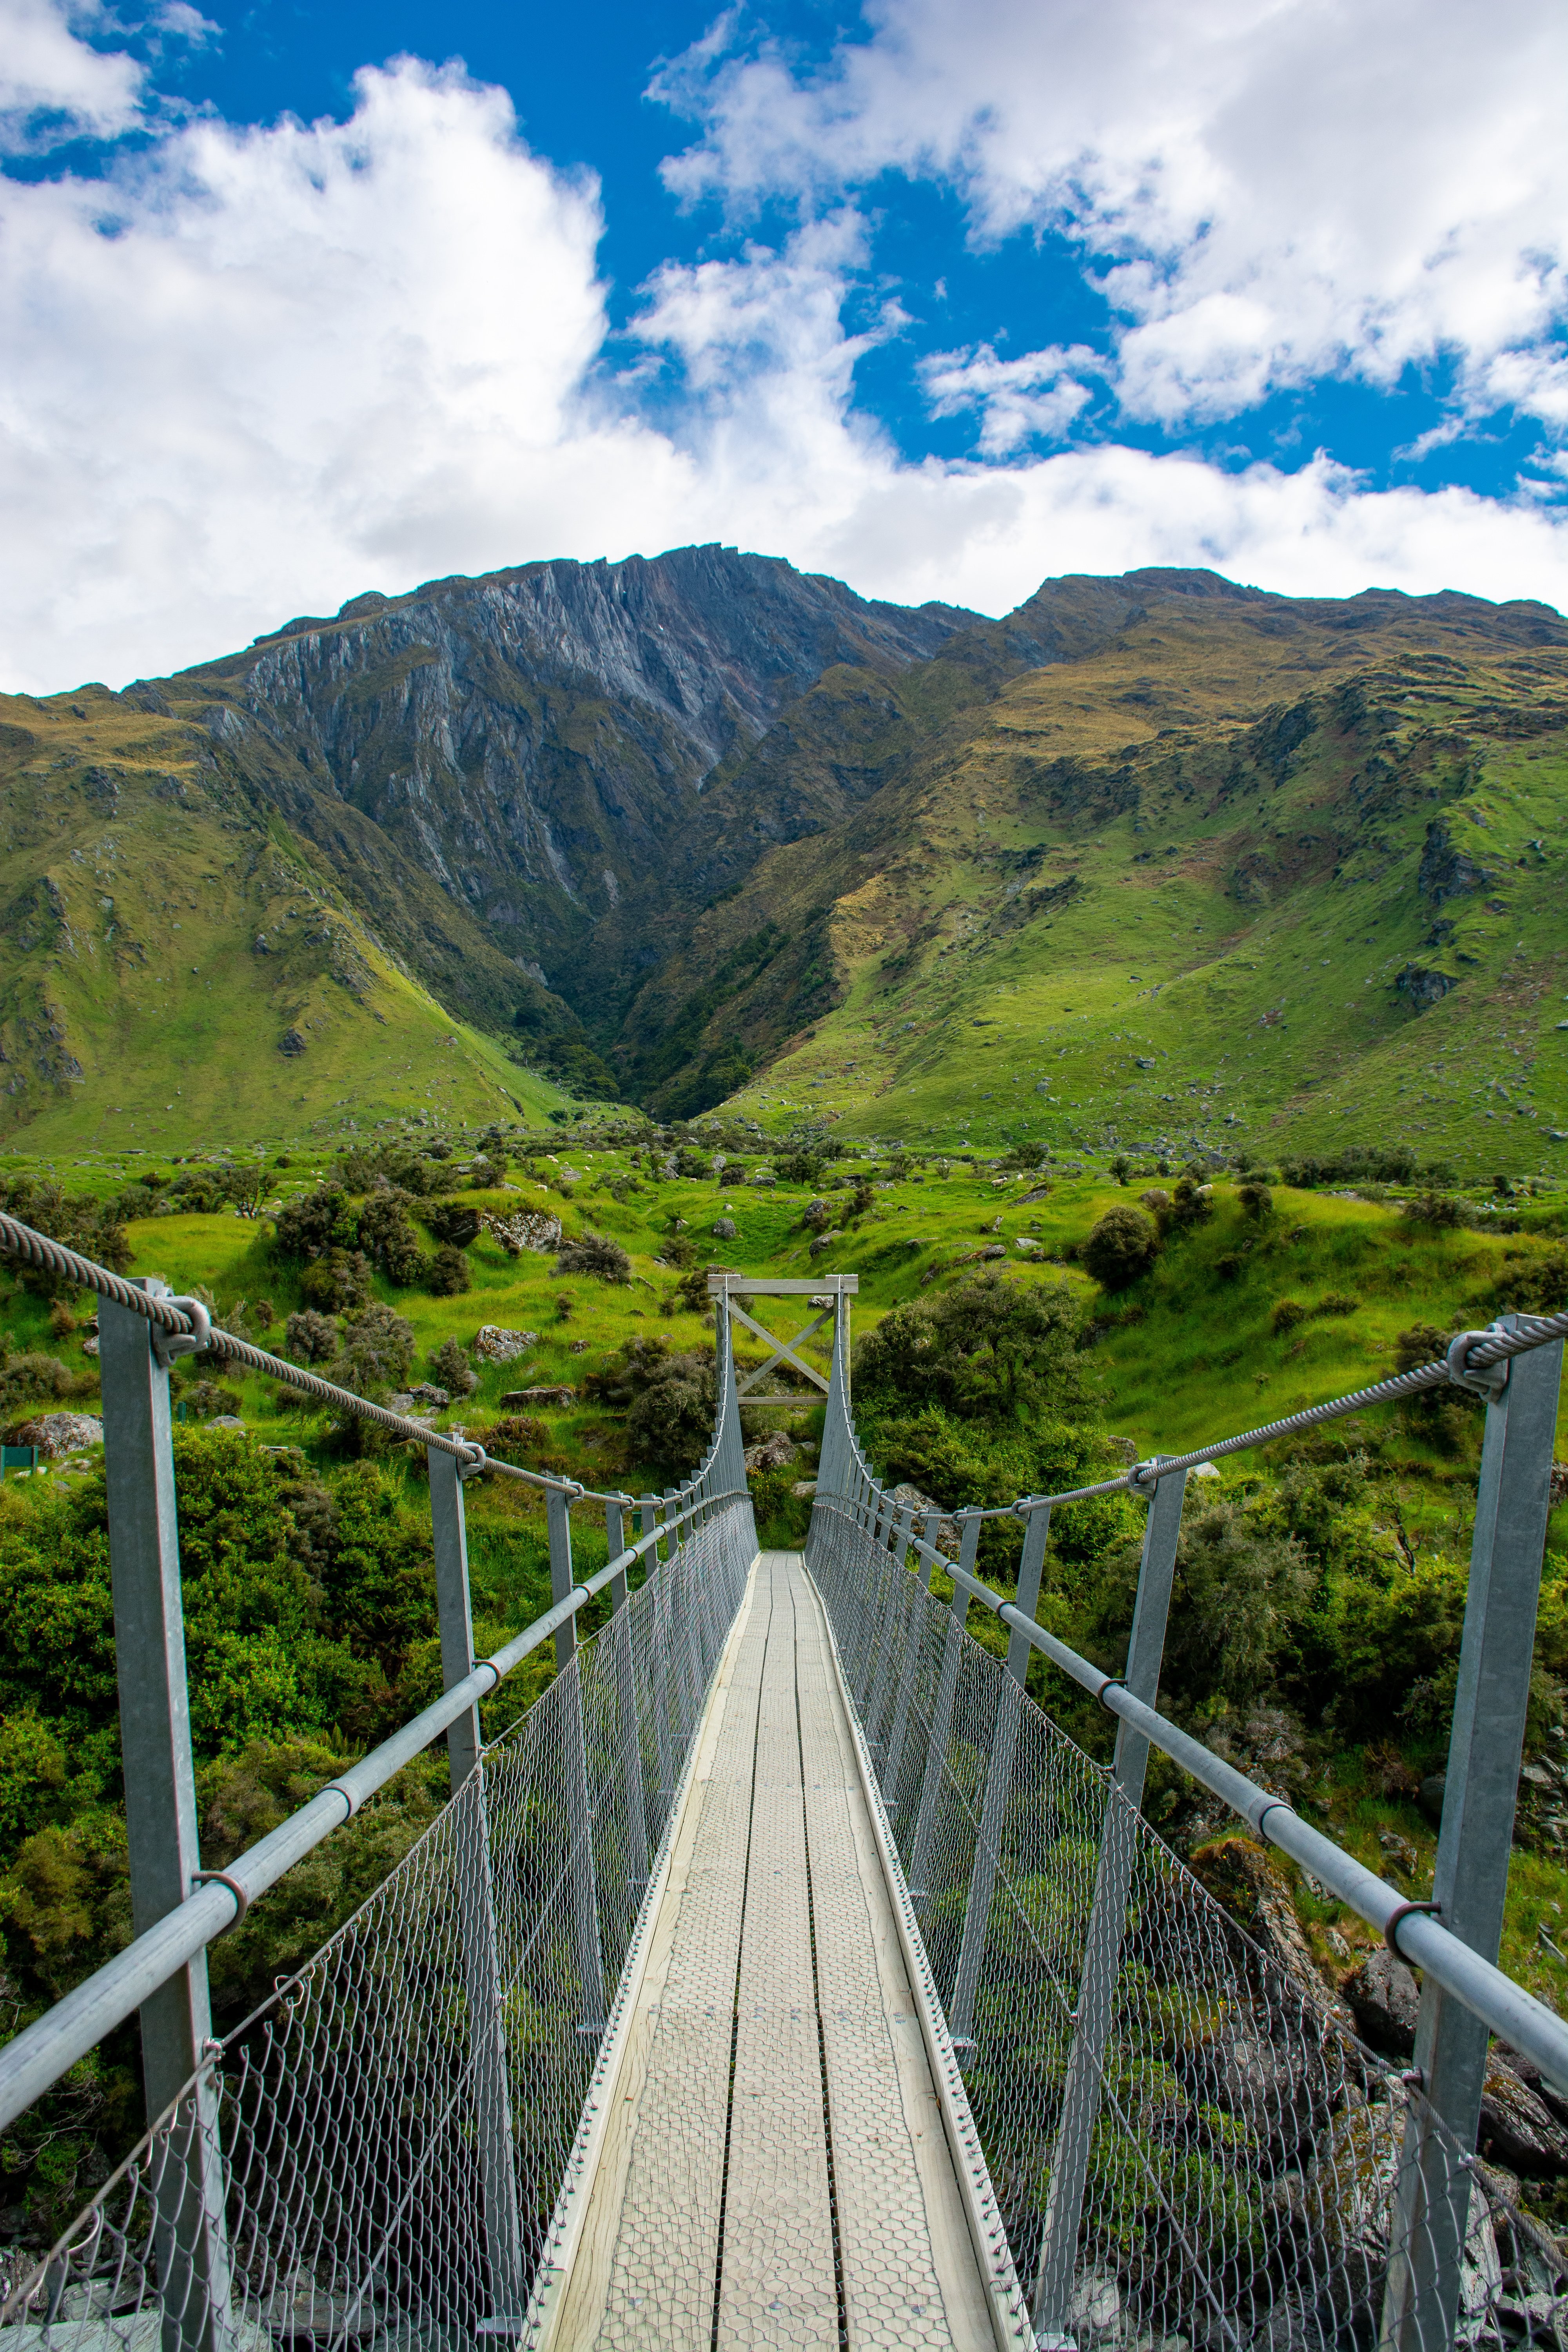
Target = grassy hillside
(178,971)
(1144,897)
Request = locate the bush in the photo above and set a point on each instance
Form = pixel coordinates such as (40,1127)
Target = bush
(990,1348)
(309,1338)
(1533,1285)
(1255,1199)
(338,1284)
(82,1224)
(1190,1204)
(1360,1163)
(1120,1248)
(595,1253)
(1287,1314)
(1336,1302)
(29,1376)
(388,1239)
(451,1369)
(447,1273)
(1240,1589)
(377,1352)
(1435,1209)
(667,1401)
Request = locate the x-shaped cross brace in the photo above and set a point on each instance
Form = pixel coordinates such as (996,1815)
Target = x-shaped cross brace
(783,1351)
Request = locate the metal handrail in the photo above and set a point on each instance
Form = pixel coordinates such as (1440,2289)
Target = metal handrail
(39,2054)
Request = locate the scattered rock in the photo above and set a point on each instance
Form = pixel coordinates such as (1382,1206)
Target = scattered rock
(525,1229)
(55,1433)
(774,1452)
(1383,1995)
(90,1347)
(826,1240)
(291,1043)
(804,1486)
(539,1396)
(1400,1853)
(578,1347)
(227,1421)
(427,1393)
(1517,2128)
(497,1345)
(1249,1884)
(725,1229)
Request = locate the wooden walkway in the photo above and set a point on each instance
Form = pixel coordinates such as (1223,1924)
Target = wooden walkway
(771,2167)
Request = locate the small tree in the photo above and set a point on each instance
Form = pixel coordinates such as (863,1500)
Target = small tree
(1120,1248)
(1255,1199)
(595,1253)
(449,1365)
(448,1273)
(1121,1168)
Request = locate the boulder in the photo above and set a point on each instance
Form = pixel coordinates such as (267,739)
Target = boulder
(1385,1999)
(55,1433)
(427,1393)
(524,1397)
(1249,1884)
(497,1345)
(1517,2128)
(826,1240)
(774,1452)
(524,1229)
(725,1229)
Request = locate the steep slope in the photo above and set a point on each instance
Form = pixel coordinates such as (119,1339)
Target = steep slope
(538,741)
(177,970)
(1217,866)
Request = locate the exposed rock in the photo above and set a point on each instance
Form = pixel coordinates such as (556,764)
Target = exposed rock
(1385,1998)
(427,1393)
(291,1043)
(1517,2128)
(524,1229)
(55,1433)
(1423,985)
(227,1421)
(1250,1886)
(774,1452)
(1446,872)
(826,1242)
(539,1396)
(724,1229)
(804,1486)
(497,1345)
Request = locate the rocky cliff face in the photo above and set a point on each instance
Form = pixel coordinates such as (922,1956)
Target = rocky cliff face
(538,740)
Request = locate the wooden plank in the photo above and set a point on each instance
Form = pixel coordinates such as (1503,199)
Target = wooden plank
(745,1285)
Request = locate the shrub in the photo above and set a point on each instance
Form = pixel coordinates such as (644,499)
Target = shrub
(309,1338)
(447,1273)
(1190,1204)
(678,1252)
(1121,1168)
(450,1366)
(1336,1302)
(1533,1285)
(1255,1199)
(667,1401)
(595,1253)
(1240,1589)
(521,1439)
(1435,1209)
(1121,1247)
(377,1352)
(338,1284)
(28,1376)
(1287,1314)
(316,1223)
(1360,1163)
(990,1348)
(84,1225)
(388,1239)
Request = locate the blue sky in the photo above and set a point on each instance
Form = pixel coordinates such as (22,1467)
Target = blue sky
(941,296)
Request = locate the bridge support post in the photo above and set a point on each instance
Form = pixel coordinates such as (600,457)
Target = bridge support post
(942,1717)
(1108,1916)
(482,1951)
(1421,2302)
(590,1967)
(626,1706)
(194,2272)
(876,1703)
(998,1789)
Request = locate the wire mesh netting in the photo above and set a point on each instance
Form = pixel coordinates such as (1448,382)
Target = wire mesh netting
(1188,2147)
(373,2157)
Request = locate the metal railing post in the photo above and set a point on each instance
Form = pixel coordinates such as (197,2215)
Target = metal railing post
(658,1636)
(877,1700)
(1421,2303)
(942,1717)
(998,1789)
(196,2274)
(590,1968)
(481,1945)
(1108,1915)
(898,1739)
(627,1700)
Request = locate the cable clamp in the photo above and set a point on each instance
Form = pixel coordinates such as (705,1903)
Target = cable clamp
(1488,1381)
(224,1878)
(168,1345)
(1390,1925)
(478,1460)
(1141,1478)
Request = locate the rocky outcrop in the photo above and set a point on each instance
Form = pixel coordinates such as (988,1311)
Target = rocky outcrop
(1446,872)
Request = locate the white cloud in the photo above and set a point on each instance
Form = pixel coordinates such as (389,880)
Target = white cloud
(1272,190)
(255,371)
(1036,394)
(52,81)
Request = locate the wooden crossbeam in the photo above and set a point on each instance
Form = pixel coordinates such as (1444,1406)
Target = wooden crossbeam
(783,1351)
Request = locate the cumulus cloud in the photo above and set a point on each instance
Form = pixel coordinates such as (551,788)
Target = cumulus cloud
(54,83)
(248,372)
(1268,191)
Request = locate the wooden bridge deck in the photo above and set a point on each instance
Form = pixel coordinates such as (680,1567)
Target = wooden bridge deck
(773,2168)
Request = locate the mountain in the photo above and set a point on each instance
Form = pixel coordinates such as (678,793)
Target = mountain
(1157,859)
(1165,862)
(278,883)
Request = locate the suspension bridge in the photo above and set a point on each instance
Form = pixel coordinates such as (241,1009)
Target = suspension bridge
(785,1975)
